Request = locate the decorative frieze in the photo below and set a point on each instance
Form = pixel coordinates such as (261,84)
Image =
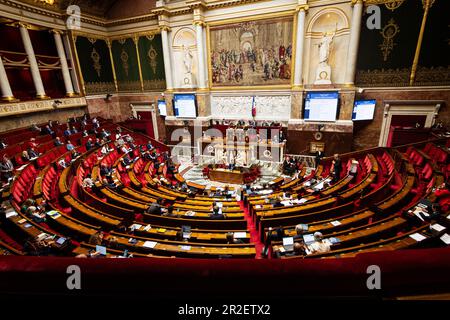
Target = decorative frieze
(274,107)
(9,109)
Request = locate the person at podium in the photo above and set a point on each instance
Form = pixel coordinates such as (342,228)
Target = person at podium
(231,164)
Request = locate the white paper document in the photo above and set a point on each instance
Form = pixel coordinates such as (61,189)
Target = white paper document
(335,223)
(437,227)
(445,238)
(150,244)
(417,236)
(240,235)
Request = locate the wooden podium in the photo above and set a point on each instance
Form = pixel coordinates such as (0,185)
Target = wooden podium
(226,176)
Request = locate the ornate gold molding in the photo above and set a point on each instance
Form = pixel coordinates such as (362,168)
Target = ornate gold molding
(390,4)
(199,23)
(164,28)
(301,7)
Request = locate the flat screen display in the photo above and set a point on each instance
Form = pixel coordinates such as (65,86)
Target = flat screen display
(321,106)
(363,110)
(162,107)
(184,106)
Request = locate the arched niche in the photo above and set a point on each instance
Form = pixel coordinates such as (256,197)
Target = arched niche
(184,38)
(325,20)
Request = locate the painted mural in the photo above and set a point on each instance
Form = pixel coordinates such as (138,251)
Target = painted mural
(252,53)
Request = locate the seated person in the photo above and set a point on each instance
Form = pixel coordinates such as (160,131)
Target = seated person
(36,213)
(58,142)
(217,213)
(232,240)
(32,143)
(105,171)
(169,212)
(73,130)
(75,154)
(278,204)
(33,153)
(67,132)
(126,161)
(88,182)
(319,245)
(85,133)
(109,182)
(69,146)
(25,157)
(62,164)
(98,142)
(3,144)
(156,207)
(125,149)
(6,168)
(104,134)
(105,150)
(97,238)
(89,144)
(48,130)
(34,127)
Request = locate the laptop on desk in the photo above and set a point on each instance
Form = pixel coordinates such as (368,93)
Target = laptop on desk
(288,244)
(101,250)
(186,230)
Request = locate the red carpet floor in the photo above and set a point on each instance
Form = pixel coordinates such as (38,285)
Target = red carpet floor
(254,234)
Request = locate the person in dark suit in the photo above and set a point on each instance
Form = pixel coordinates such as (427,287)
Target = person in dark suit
(48,130)
(58,142)
(89,144)
(337,167)
(319,156)
(104,170)
(155,208)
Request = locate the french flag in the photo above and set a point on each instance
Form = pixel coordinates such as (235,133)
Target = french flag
(253,107)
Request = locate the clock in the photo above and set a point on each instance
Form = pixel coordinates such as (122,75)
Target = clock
(318,135)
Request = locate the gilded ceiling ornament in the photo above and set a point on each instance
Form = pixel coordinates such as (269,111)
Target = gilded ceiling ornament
(152,54)
(389,32)
(122,41)
(96,59)
(92,40)
(124,58)
(150,37)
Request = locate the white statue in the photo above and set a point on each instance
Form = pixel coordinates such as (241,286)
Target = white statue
(187,59)
(325,46)
(323,71)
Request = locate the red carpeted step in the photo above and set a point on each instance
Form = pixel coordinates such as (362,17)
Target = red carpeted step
(254,235)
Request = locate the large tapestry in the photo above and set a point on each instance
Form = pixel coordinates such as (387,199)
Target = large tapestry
(126,65)
(152,62)
(386,55)
(95,64)
(252,53)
